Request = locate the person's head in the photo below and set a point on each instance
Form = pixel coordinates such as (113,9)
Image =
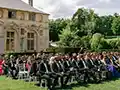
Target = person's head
(51,61)
(6,57)
(11,56)
(38,55)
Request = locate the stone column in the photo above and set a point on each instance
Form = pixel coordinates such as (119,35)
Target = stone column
(25,43)
(2,40)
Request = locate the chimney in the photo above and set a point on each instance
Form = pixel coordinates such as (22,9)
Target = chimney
(31,2)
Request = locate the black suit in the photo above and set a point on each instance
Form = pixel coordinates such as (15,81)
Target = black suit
(34,69)
(42,70)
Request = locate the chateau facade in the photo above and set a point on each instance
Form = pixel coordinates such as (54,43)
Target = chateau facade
(22,27)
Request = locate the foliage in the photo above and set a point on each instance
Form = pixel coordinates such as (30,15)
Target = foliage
(116,26)
(76,42)
(86,42)
(77,31)
(56,26)
(118,43)
(114,43)
(66,37)
(84,20)
(104,24)
(98,42)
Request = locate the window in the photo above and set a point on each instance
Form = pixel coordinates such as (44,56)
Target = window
(32,16)
(30,41)
(22,31)
(21,16)
(22,44)
(11,14)
(10,41)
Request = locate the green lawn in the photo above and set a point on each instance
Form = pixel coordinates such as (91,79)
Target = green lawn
(9,84)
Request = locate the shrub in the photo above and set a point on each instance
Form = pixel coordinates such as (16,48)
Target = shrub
(98,42)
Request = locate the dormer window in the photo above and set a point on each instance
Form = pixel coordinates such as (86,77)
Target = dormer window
(11,14)
(32,16)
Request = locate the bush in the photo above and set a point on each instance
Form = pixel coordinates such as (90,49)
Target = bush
(114,43)
(98,42)
(86,42)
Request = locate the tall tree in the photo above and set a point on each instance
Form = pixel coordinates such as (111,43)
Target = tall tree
(104,24)
(116,26)
(66,37)
(56,26)
(84,20)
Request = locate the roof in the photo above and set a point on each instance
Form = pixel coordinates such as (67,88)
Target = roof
(18,5)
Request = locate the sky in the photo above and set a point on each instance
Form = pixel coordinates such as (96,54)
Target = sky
(66,8)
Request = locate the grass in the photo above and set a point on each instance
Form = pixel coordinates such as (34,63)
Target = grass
(9,84)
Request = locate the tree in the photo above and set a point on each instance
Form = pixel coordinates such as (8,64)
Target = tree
(53,32)
(98,42)
(104,24)
(66,37)
(76,42)
(116,26)
(55,27)
(79,19)
(84,22)
(114,43)
(86,42)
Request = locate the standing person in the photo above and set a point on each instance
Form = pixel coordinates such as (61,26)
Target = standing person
(5,65)
(1,65)
(28,64)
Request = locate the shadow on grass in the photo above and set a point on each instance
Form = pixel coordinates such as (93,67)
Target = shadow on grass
(71,86)
(106,81)
(77,85)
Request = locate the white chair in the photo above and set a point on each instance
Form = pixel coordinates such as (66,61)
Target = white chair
(23,74)
(43,83)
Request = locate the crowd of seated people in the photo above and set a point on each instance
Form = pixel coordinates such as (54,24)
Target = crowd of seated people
(60,69)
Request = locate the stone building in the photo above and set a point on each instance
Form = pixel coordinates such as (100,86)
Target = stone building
(22,27)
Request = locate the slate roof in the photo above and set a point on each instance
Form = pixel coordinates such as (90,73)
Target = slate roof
(18,5)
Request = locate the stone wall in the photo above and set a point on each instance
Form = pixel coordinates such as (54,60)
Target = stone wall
(40,27)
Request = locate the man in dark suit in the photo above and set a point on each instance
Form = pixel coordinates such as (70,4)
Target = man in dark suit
(43,73)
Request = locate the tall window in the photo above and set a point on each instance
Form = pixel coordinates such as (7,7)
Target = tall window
(30,41)
(11,14)
(10,41)
(22,31)
(32,16)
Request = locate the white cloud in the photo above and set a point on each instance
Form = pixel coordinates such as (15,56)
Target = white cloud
(66,8)
(107,1)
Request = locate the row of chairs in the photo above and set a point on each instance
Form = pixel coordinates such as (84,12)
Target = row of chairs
(81,75)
